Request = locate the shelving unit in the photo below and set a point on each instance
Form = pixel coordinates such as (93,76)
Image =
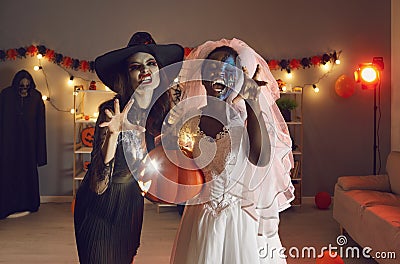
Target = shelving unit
(86,103)
(296,132)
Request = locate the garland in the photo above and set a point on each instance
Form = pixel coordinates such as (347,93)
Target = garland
(84,65)
(50,55)
(294,64)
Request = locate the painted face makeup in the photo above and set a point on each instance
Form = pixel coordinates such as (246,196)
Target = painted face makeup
(220,75)
(144,75)
(143,70)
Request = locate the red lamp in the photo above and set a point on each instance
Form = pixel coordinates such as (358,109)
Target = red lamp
(369,75)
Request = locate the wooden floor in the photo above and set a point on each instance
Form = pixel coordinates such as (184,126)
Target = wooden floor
(48,235)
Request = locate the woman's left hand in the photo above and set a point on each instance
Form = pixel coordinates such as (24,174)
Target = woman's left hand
(251,86)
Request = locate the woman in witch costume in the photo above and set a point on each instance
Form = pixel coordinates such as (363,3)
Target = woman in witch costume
(109,203)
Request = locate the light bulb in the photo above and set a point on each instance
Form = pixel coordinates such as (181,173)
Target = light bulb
(72,111)
(39,56)
(316,89)
(71,80)
(36,68)
(369,74)
(337,61)
(325,67)
(289,75)
(44,98)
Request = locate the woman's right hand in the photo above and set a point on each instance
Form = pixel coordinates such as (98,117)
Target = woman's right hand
(118,121)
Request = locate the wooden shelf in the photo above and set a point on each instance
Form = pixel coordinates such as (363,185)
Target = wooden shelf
(294,123)
(281,92)
(84,150)
(296,152)
(95,91)
(91,120)
(80,176)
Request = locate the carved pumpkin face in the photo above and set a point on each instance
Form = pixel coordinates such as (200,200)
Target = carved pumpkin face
(87,136)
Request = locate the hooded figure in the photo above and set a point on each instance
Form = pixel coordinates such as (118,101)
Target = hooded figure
(22,145)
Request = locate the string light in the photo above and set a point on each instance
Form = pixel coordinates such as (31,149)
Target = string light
(316,89)
(325,67)
(72,111)
(39,56)
(45,98)
(71,80)
(36,68)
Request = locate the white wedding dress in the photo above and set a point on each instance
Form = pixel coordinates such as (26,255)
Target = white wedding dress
(218,230)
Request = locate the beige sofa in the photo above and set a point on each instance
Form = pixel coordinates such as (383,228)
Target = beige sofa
(368,208)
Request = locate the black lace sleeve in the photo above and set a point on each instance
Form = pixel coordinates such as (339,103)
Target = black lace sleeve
(100,173)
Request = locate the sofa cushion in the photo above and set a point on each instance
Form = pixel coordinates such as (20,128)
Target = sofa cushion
(347,212)
(370,182)
(365,198)
(385,220)
(393,170)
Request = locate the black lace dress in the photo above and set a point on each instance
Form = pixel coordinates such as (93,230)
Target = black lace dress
(109,206)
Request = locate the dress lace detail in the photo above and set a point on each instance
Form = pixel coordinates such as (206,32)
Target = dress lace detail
(213,156)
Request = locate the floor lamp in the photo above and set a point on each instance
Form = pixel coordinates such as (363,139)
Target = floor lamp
(369,75)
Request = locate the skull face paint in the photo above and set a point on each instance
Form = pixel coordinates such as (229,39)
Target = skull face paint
(220,74)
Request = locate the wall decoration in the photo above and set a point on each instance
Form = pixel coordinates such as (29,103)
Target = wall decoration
(345,86)
(50,55)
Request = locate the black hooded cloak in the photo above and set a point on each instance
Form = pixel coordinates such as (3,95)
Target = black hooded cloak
(22,147)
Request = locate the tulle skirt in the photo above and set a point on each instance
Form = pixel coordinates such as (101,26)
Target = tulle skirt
(229,237)
(108,226)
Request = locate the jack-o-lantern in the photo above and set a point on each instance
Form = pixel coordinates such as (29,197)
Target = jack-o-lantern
(169,181)
(87,136)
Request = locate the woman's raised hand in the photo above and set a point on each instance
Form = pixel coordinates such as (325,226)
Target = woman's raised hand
(251,86)
(118,121)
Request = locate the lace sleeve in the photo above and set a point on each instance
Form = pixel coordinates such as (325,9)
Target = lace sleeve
(99,173)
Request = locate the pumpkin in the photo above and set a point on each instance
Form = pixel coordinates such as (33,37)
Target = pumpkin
(87,136)
(173,181)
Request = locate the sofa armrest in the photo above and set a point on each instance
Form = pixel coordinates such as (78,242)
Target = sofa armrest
(369,182)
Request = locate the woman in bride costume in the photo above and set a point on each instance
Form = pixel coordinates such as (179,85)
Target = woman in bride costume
(242,144)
